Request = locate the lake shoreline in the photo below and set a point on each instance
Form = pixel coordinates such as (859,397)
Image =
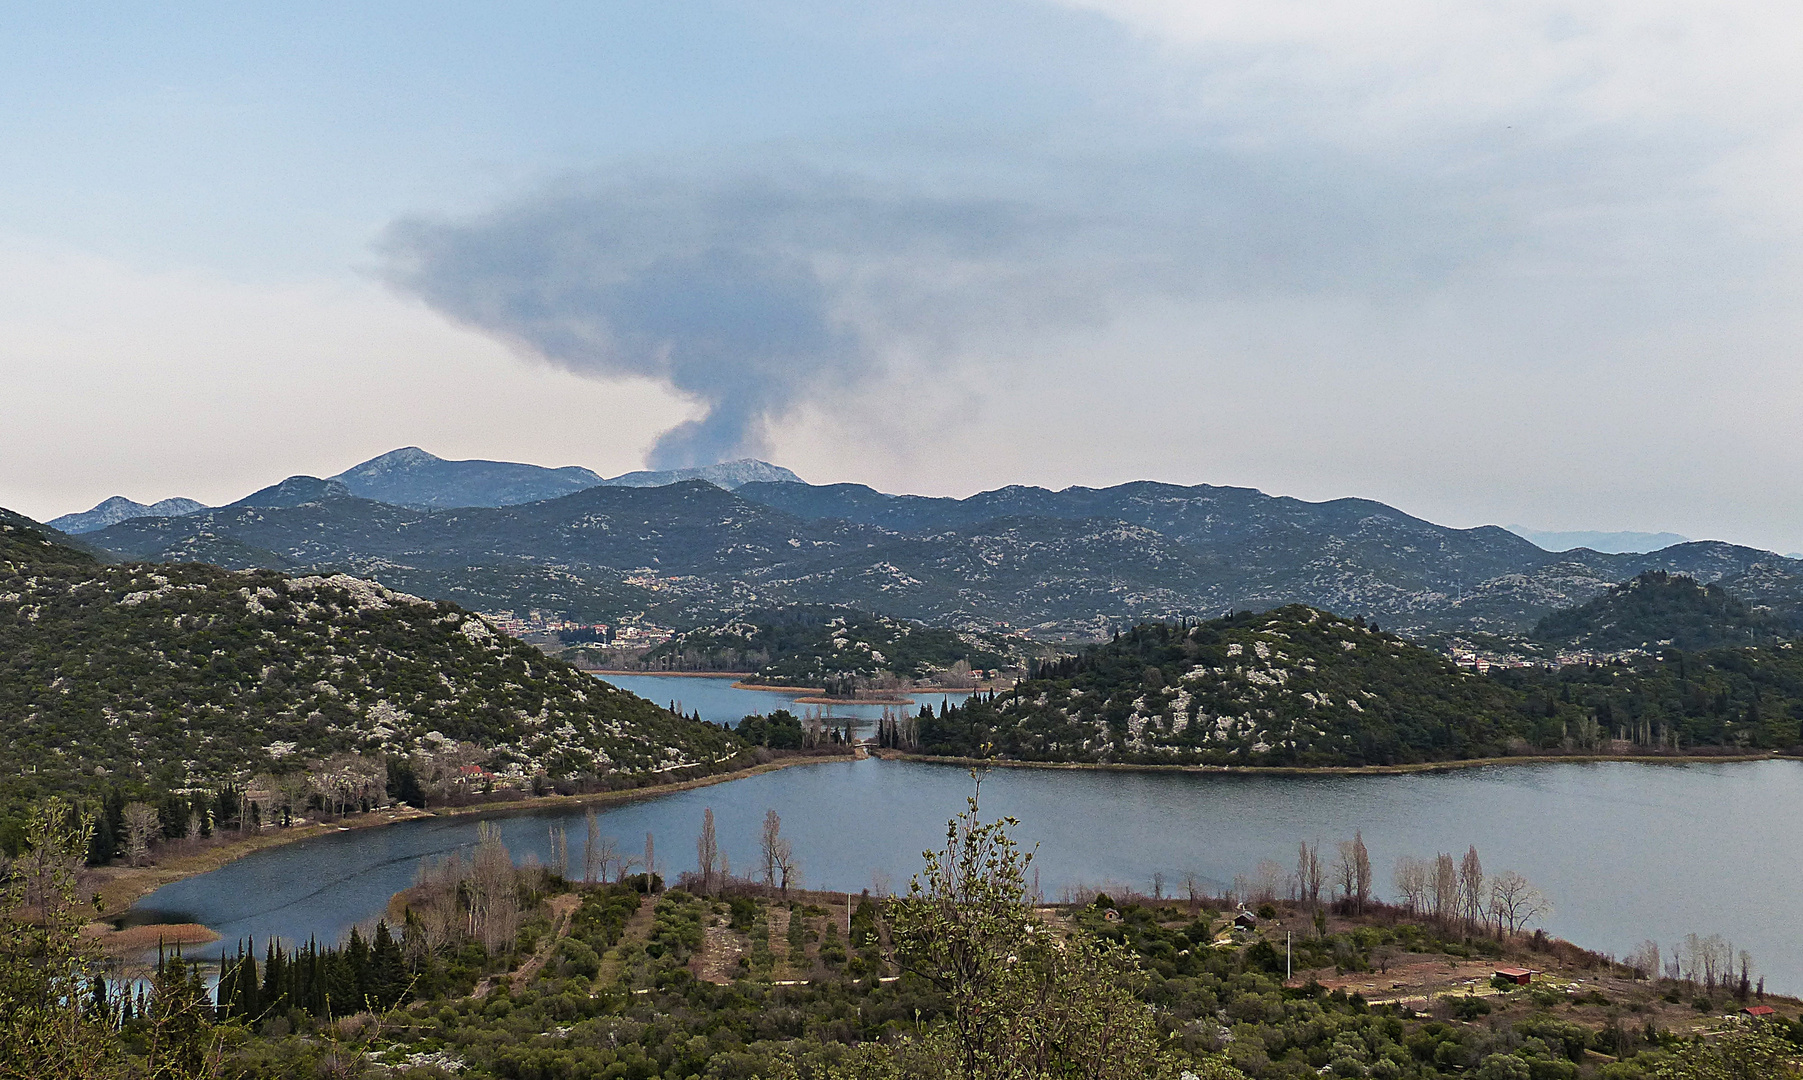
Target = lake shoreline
(122,887)
(1333,770)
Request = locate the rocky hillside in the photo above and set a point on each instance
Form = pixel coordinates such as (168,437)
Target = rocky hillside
(824,646)
(1072,564)
(1288,687)
(179,675)
(1657,610)
(1296,686)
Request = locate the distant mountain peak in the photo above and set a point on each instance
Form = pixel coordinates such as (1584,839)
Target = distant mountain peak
(296,491)
(119,508)
(412,477)
(1610,543)
(730,475)
(407,457)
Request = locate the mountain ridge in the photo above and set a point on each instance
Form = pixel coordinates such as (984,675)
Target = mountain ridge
(119,508)
(1070,564)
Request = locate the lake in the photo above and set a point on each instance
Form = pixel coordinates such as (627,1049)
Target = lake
(718,701)
(1627,851)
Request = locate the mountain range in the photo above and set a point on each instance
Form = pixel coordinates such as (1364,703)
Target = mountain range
(1070,564)
(414,478)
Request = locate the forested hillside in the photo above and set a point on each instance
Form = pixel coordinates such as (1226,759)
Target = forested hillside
(821,645)
(1658,609)
(1297,687)
(190,675)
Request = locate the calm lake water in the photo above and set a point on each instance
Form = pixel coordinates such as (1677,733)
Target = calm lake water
(719,702)
(1627,851)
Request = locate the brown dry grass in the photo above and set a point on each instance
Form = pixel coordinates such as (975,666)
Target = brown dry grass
(135,939)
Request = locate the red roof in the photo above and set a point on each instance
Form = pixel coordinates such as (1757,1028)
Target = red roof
(1759,1010)
(1513,973)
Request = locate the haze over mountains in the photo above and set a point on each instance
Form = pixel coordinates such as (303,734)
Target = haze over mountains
(1066,564)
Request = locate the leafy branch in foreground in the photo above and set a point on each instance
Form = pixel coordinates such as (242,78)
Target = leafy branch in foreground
(1025,1000)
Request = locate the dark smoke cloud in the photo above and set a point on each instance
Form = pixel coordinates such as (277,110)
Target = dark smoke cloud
(753,291)
(748,297)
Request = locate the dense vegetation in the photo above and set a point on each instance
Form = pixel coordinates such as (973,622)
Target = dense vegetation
(1656,610)
(181,676)
(825,646)
(1297,687)
(962,978)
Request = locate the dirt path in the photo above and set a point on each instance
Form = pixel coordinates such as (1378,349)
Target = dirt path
(563,907)
(638,929)
(779,942)
(718,961)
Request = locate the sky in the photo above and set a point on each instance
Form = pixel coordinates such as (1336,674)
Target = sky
(1530,262)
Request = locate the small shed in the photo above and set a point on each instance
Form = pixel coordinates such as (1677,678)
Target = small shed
(1245,920)
(1758,1011)
(1518,976)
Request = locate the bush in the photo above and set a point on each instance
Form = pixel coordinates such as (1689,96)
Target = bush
(1470,1008)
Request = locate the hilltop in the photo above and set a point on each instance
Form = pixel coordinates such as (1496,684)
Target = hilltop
(1293,686)
(1658,609)
(1299,687)
(188,675)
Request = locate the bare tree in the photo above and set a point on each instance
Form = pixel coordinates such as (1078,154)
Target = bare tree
(1308,874)
(1192,888)
(1268,881)
(140,825)
(788,871)
(611,860)
(1515,902)
(1443,888)
(1158,884)
(770,844)
(1345,873)
(1472,899)
(493,890)
(1645,960)
(707,851)
(1412,883)
(650,861)
(1353,869)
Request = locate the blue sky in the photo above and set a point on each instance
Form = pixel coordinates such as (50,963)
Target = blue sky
(1531,262)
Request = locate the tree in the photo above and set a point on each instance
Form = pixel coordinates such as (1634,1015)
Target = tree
(707,850)
(778,853)
(1412,879)
(141,823)
(1023,1000)
(1353,870)
(1443,888)
(1752,1052)
(47,969)
(1472,900)
(1308,874)
(1515,902)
